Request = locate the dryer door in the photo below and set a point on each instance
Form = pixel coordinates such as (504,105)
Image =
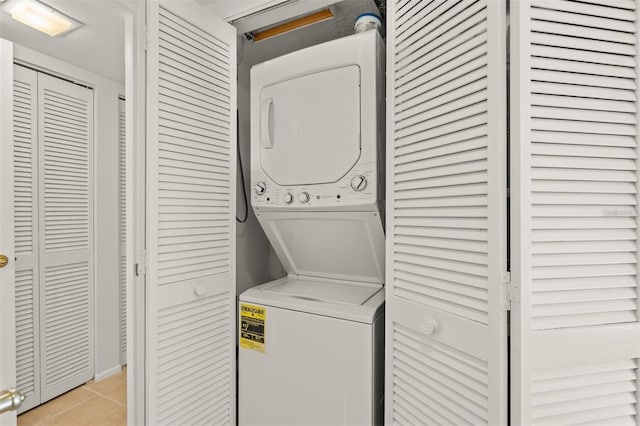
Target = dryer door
(310,127)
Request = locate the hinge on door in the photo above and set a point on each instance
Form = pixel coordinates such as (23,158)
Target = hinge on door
(146,38)
(141,263)
(509,291)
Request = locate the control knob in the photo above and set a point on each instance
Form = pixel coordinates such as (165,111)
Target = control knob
(261,188)
(288,198)
(359,183)
(304,197)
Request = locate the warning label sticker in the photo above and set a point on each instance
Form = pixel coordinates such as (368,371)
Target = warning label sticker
(252,321)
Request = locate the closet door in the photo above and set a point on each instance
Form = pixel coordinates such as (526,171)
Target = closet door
(122,212)
(575,330)
(7,272)
(25,174)
(446,341)
(65,135)
(191,178)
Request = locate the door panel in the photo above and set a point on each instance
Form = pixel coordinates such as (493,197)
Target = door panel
(65,146)
(25,95)
(446,355)
(313,117)
(575,327)
(7,274)
(191,157)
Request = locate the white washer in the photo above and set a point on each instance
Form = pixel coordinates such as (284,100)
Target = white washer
(317,132)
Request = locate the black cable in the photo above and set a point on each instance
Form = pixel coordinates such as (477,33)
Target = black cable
(244,190)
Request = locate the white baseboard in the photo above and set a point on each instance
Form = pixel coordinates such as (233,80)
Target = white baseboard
(108,373)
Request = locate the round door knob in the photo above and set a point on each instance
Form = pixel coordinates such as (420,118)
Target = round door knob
(261,188)
(4,260)
(429,326)
(304,197)
(288,198)
(359,183)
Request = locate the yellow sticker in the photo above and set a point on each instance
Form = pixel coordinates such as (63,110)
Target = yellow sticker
(252,323)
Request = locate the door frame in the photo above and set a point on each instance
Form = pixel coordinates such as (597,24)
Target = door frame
(135,152)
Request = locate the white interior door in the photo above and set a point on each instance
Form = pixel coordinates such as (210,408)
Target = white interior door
(26,199)
(7,273)
(65,164)
(191,178)
(575,328)
(446,354)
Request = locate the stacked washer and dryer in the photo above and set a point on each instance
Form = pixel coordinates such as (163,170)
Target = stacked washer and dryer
(312,343)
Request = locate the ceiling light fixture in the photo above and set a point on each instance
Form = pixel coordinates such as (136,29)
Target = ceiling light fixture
(294,24)
(40,16)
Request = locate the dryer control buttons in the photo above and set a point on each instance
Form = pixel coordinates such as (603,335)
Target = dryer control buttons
(304,197)
(288,198)
(261,188)
(359,183)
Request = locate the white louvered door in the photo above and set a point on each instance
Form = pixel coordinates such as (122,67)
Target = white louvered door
(7,273)
(575,329)
(446,355)
(122,224)
(65,134)
(191,178)
(25,174)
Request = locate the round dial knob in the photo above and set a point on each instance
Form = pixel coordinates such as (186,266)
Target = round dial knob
(359,183)
(304,197)
(288,198)
(261,188)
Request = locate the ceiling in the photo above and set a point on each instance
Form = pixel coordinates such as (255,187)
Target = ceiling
(97,46)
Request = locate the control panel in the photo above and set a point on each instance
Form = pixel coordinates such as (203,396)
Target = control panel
(359,187)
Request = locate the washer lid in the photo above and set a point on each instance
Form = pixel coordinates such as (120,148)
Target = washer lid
(336,245)
(310,127)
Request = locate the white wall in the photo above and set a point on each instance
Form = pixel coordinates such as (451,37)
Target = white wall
(106,295)
(256,261)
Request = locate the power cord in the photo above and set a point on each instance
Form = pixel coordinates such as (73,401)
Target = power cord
(244,190)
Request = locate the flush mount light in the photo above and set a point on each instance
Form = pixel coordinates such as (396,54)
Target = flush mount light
(40,16)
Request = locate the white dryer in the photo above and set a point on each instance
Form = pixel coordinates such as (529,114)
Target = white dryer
(312,343)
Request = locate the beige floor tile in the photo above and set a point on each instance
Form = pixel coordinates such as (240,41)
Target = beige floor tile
(115,381)
(54,407)
(94,411)
(116,391)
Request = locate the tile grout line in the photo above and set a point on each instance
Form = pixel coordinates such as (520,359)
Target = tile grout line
(107,397)
(64,411)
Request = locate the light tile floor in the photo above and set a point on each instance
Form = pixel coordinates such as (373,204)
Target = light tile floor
(103,403)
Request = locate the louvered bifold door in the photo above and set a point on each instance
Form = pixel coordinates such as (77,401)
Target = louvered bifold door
(65,130)
(446,354)
(191,146)
(25,171)
(575,329)
(122,224)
